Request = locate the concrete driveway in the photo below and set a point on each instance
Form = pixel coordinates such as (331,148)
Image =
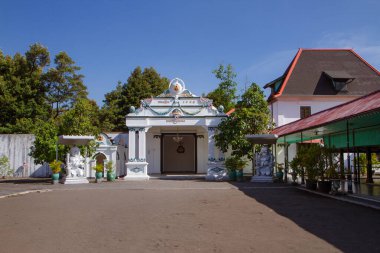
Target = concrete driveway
(182,216)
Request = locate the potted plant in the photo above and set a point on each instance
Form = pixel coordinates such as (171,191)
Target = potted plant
(295,165)
(309,157)
(280,173)
(327,169)
(99,168)
(235,166)
(230,164)
(55,167)
(110,171)
(240,164)
(333,177)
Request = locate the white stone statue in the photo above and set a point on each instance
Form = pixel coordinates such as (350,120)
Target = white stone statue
(264,162)
(76,163)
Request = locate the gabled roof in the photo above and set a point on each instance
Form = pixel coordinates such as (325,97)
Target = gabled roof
(310,70)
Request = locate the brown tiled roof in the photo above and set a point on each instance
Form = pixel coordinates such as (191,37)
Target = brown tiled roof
(308,74)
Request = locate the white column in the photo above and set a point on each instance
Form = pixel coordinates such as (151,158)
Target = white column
(142,145)
(211,144)
(137,167)
(68,167)
(132,145)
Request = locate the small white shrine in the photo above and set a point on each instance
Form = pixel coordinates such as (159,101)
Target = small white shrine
(173,133)
(77,166)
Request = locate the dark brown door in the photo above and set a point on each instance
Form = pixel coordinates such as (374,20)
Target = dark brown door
(178,153)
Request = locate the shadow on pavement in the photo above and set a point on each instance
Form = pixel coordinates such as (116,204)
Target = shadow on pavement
(33,181)
(348,227)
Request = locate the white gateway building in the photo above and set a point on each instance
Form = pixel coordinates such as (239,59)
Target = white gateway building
(173,133)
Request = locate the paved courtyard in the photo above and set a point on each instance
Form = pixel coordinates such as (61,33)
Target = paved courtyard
(181,216)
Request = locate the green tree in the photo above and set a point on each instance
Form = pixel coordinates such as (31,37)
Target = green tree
(80,120)
(22,91)
(65,86)
(225,94)
(140,85)
(44,146)
(250,117)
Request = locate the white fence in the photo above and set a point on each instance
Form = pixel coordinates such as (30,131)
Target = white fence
(17,148)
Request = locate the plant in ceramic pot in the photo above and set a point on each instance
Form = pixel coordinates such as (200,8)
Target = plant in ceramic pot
(230,164)
(295,165)
(326,167)
(55,167)
(240,164)
(110,171)
(235,166)
(309,157)
(280,172)
(99,168)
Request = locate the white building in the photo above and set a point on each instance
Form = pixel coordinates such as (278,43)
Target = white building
(315,80)
(173,133)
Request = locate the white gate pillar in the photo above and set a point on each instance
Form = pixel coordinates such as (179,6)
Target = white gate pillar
(216,170)
(211,145)
(137,167)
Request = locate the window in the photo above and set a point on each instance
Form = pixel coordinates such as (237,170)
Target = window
(305,111)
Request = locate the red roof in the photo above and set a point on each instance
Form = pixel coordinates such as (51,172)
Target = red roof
(365,104)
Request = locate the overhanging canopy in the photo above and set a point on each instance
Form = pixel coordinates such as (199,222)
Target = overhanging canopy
(353,124)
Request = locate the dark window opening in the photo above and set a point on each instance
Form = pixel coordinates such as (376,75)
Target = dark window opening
(305,111)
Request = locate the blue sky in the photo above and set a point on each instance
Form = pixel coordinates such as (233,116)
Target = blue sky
(188,39)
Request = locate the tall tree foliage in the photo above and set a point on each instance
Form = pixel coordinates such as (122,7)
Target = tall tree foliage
(140,85)
(64,84)
(28,92)
(225,94)
(251,116)
(22,90)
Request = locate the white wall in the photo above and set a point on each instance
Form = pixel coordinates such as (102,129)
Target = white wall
(202,155)
(17,148)
(153,155)
(288,110)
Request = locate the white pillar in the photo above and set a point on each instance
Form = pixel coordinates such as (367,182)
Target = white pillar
(132,145)
(137,167)
(211,144)
(142,145)
(68,169)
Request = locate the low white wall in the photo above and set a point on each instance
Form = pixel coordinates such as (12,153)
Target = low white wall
(17,148)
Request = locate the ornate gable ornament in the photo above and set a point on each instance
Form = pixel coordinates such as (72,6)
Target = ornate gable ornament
(176,102)
(176,89)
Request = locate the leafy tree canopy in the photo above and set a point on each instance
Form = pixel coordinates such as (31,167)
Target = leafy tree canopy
(64,84)
(225,94)
(22,90)
(250,117)
(140,85)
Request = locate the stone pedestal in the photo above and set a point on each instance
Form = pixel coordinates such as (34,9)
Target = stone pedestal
(137,171)
(262,179)
(76,180)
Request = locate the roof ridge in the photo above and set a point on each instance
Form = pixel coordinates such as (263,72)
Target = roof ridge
(326,49)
